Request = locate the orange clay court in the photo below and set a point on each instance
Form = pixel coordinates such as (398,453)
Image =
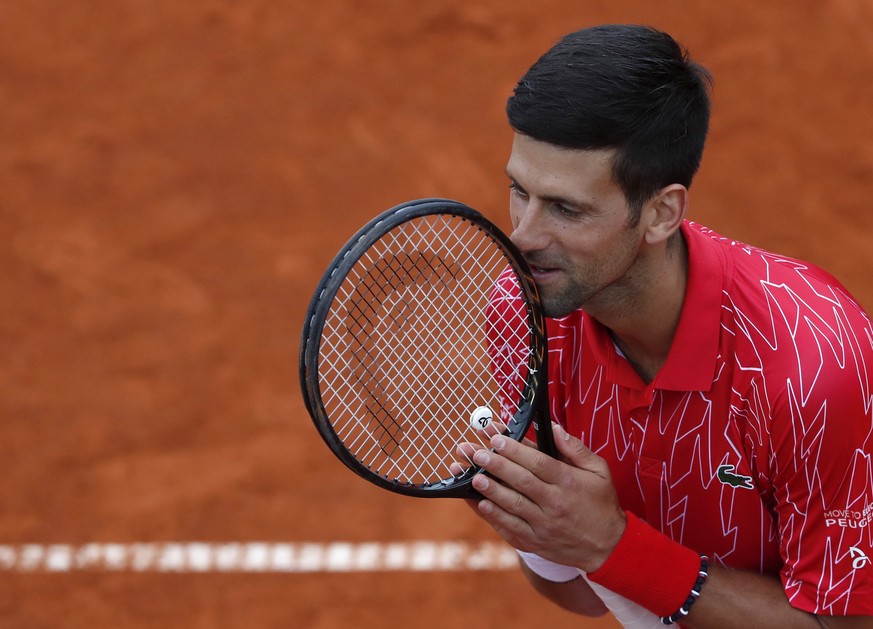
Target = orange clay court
(174,178)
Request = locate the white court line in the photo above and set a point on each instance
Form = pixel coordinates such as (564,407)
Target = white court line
(308,557)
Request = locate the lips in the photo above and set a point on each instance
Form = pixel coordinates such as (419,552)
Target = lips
(543,274)
(543,270)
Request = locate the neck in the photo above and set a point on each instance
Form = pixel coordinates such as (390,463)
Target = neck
(643,323)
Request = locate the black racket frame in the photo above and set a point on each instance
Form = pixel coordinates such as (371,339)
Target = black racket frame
(534,407)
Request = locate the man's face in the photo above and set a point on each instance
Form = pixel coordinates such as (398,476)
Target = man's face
(571,222)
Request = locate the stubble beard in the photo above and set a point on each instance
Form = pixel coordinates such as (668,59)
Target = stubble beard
(565,300)
(599,286)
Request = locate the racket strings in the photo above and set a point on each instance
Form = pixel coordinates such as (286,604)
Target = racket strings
(409,350)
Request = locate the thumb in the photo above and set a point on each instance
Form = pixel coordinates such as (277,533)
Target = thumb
(575,453)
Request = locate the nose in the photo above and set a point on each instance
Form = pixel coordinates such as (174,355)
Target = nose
(529,229)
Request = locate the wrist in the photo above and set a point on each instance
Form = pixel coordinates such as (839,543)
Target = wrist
(617,532)
(649,568)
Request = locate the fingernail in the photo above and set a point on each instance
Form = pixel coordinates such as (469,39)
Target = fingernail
(480,482)
(563,433)
(482,458)
(498,442)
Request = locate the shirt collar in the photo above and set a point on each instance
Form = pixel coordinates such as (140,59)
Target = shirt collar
(691,362)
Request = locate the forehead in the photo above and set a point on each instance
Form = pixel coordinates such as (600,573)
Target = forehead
(548,170)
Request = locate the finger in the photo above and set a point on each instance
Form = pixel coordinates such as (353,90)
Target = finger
(464,453)
(466,449)
(574,452)
(524,456)
(509,484)
(506,510)
(457,469)
(496,427)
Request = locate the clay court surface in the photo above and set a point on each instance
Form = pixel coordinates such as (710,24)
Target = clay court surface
(174,177)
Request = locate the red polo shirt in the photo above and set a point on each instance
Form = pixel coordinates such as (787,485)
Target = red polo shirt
(753,444)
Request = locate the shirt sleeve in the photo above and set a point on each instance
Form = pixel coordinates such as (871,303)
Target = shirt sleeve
(821,440)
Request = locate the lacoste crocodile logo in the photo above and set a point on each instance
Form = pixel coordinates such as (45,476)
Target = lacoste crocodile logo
(726,476)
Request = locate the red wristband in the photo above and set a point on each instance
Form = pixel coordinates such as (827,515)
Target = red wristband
(649,568)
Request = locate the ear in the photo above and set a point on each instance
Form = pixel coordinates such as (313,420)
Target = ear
(665,213)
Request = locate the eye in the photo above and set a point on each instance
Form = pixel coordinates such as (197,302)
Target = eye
(517,189)
(566,212)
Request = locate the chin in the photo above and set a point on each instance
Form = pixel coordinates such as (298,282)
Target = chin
(562,305)
(557,311)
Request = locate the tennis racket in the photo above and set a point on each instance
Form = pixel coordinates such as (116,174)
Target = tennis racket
(425,328)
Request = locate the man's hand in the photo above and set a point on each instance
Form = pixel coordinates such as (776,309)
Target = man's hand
(564,510)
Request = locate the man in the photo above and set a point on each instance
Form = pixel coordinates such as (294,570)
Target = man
(712,401)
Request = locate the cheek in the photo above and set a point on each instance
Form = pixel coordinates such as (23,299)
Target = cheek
(515,211)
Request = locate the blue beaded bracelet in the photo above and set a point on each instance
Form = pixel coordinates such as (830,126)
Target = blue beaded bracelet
(695,592)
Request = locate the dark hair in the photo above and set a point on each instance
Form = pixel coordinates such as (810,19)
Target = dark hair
(624,87)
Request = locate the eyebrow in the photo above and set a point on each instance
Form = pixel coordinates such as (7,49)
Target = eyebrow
(554,199)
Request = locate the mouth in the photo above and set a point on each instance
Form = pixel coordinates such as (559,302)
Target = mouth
(542,273)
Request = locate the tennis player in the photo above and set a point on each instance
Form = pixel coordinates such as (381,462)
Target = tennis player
(712,400)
